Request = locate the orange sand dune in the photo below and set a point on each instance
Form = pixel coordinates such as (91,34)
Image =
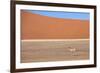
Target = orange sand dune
(35,26)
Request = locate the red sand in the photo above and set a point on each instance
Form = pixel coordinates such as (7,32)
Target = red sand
(35,26)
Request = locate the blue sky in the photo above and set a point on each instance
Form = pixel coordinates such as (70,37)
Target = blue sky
(61,14)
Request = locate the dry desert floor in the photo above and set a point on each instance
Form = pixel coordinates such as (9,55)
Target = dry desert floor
(59,50)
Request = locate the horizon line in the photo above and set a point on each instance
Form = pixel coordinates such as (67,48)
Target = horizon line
(62,14)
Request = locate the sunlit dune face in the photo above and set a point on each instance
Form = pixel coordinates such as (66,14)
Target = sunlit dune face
(36,26)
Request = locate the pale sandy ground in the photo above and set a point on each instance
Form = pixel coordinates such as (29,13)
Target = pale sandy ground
(43,51)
